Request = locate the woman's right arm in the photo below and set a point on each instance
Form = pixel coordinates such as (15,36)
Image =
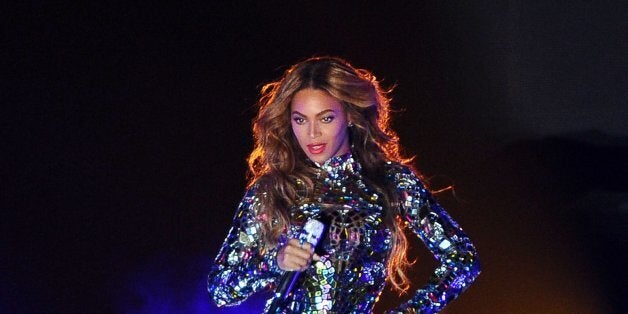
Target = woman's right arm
(244,264)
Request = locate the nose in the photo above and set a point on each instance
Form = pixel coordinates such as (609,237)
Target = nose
(314,130)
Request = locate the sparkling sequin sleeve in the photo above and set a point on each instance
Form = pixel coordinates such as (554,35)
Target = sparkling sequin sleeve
(244,265)
(459,264)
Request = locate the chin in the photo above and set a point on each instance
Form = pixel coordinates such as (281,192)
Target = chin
(319,159)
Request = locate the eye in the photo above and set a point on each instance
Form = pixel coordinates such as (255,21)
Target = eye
(328,119)
(298,120)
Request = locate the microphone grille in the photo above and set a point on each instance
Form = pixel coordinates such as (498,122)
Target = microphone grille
(313,231)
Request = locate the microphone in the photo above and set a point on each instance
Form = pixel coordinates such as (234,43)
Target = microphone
(311,234)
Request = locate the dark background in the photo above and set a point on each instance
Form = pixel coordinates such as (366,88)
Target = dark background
(125,132)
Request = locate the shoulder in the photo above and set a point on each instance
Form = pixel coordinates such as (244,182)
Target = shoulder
(393,167)
(260,185)
(402,175)
(254,194)
(397,170)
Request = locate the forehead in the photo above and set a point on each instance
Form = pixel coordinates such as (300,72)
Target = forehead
(313,101)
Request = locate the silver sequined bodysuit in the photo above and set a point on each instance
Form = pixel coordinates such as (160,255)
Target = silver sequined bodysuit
(354,250)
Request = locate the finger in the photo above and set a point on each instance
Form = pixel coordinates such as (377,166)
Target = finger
(298,251)
(291,263)
(308,247)
(295,266)
(292,257)
(297,242)
(302,261)
(294,241)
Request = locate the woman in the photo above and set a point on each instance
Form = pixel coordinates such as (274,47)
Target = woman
(324,150)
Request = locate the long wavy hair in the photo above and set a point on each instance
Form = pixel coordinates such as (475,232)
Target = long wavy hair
(277,162)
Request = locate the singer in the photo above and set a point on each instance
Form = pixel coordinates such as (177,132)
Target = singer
(324,150)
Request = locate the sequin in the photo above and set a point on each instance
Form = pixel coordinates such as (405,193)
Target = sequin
(351,273)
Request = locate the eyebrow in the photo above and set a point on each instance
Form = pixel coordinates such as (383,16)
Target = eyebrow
(318,114)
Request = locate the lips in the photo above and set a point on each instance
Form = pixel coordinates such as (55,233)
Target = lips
(316,148)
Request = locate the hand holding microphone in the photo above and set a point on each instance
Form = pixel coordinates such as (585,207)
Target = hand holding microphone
(297,254)
(294,258)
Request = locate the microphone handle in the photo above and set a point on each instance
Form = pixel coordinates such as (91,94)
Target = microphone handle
(285,286)
(287,283)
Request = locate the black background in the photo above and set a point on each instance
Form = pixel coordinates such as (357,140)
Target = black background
(126,129)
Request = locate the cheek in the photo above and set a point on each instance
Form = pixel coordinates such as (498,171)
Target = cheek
(338,132)
(297,131)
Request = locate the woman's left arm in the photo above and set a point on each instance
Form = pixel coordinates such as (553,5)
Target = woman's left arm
(459,264)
